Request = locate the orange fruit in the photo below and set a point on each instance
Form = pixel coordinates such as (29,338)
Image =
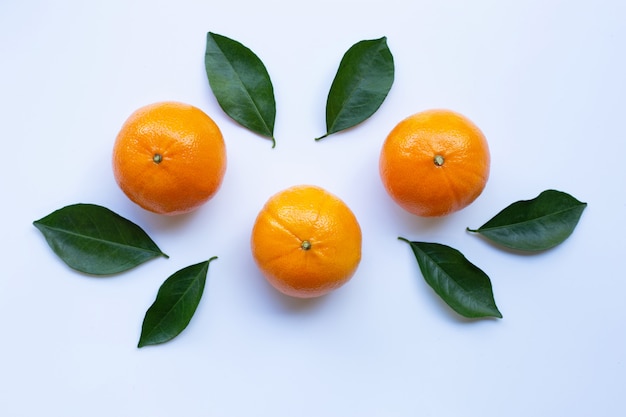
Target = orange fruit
(434,163)
(169,158)
(306,241)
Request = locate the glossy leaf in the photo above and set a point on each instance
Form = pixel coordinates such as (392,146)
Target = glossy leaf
(534,225)
(95,240)
(175,304)
(461,284)
(362,82)
(241,84)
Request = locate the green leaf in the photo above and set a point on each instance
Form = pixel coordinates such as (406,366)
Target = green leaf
(364,78)
(175,304)
(534,225)
(94,240)
(241,84)
(461,284)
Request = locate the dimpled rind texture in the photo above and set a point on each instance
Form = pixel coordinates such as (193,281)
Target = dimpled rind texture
(306,213)
(410,175)
(192,151)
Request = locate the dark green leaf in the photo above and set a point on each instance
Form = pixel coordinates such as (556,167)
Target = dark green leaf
(175,304)
(364,78)
(95,240)
(534,225)
(241,84)
(461,284)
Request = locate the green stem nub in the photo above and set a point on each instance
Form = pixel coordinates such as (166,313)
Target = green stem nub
(438,159)
(306,245)
(157,158)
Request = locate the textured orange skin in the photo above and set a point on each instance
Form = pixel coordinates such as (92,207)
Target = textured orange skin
(408,170)
(306,213)
(193,158)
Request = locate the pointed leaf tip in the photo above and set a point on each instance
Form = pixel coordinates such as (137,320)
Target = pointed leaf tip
(534,225)
(241,84)
(175,304)
(459,283)
(95,240)
(361,84)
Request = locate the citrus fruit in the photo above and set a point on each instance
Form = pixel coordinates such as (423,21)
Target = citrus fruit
(306,241)
(169,158)
(434,163)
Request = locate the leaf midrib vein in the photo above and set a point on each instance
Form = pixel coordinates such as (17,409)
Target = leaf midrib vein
(100,240)
(534,219)
(250,97)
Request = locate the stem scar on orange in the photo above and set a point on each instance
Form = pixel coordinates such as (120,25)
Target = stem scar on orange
(306,242)
(434,163)
(169,158)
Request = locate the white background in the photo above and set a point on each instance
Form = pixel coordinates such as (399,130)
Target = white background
(544,80)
